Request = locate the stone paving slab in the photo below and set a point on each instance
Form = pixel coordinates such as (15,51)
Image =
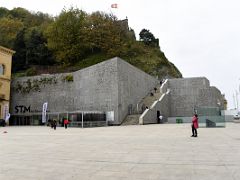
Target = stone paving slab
(149,152)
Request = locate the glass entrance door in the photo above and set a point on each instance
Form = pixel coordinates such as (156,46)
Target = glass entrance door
(20,121)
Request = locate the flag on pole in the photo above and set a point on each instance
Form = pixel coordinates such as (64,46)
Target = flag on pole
(114,5)
(5,111)
(44,112)
(7,117)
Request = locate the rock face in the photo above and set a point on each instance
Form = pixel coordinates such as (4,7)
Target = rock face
(111,86)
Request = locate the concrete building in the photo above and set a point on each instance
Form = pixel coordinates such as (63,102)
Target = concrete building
(108,90)
(182,98)
(5,79)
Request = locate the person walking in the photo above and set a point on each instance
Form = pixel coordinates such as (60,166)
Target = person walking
(66,123)
(54,124)
(161,118)
(194,125)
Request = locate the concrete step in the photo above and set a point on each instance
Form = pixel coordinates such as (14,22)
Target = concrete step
(149,99)
(131,120)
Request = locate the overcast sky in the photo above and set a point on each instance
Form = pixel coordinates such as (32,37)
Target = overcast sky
(201,37)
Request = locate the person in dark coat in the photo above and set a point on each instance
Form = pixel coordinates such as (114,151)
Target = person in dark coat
(50,123)
(54,124)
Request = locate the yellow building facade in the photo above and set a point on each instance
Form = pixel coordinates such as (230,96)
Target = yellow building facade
(5,80)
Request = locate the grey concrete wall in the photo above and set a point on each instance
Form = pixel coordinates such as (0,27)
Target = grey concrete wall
(211,97)
(96,88)
(54,93)
(92,89)
(108,86)
(133,86)
(183,95)
(194,82)
(189,93)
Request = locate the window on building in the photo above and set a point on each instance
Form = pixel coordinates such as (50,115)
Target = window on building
(2,69)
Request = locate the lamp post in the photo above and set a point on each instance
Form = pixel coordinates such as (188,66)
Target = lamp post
(237,99)
(234,101)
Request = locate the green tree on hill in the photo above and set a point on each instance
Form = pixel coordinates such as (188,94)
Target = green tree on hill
(8,31)
(148,38)
(66,36)
(3,12)
(37,52)
(19,58)
(75,35)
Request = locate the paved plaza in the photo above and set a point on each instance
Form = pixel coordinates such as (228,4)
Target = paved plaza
(149,152)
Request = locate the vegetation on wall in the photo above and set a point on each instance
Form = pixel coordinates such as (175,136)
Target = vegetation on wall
(34,84)
(67,78)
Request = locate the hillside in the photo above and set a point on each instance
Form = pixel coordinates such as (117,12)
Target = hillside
(74,40)
(148,59)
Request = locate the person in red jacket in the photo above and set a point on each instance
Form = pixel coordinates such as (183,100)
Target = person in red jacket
(194,125)
(65,122)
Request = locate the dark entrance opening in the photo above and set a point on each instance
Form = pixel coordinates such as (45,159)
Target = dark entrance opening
(20,121)
(158,116)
